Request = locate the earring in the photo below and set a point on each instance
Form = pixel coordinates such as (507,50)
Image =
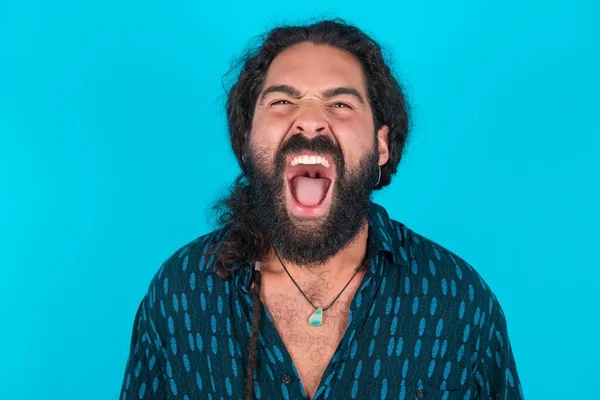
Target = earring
(378,177)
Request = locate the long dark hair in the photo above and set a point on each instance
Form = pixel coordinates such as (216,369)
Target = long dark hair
(243,238)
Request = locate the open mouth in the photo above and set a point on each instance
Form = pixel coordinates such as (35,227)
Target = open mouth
(309,183)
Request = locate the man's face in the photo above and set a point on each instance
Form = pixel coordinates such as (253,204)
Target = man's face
(313,152)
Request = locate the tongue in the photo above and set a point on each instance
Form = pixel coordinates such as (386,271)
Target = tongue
(308,191)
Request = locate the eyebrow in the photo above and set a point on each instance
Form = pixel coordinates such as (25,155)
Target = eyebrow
(327,94)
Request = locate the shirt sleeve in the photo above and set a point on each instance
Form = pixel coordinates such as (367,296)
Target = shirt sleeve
(500,379)
(144,377)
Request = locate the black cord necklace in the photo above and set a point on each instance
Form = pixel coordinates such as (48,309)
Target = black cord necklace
(316,318)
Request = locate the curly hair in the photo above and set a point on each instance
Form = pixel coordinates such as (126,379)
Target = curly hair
(243,238)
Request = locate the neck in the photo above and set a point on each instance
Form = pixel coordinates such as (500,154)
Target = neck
(341,264)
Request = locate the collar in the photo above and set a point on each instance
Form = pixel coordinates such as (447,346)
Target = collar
(386,235)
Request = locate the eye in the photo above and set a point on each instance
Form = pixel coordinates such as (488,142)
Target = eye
(340,105)
(280,102)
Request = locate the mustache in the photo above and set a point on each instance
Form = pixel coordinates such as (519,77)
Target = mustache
(319,144)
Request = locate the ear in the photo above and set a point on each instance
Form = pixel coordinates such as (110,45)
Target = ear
(383,144)
(243,144)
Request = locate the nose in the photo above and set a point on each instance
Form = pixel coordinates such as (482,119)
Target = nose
(311,120)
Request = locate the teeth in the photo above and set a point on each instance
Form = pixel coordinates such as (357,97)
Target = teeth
(311,160)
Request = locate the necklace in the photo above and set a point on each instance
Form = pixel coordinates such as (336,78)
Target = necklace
(316,318)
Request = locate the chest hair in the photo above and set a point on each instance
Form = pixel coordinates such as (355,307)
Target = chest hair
(310,347)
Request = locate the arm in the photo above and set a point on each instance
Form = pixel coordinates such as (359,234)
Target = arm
(144,378)
(499,376)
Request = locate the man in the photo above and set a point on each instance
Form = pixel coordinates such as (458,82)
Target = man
(308,290)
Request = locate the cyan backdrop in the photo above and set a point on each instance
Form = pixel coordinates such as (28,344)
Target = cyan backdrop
(113,144)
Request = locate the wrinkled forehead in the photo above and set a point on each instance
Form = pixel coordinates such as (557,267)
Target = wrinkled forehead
(313,68)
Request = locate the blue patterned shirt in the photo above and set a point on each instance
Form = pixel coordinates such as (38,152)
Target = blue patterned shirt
(423,325)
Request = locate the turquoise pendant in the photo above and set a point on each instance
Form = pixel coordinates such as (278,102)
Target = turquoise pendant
(316,319)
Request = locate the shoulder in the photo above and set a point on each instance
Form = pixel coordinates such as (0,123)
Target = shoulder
(451,277)
(182,282)
(187,269)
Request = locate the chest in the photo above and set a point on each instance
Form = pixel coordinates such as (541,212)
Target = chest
(310,347)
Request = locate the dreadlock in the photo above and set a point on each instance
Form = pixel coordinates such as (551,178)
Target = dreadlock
(256,308)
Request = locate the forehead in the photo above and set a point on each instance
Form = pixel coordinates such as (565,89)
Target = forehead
(309,66)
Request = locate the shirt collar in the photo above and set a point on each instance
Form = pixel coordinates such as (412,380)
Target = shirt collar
(386,235)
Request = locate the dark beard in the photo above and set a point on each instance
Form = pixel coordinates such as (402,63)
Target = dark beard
(315,242)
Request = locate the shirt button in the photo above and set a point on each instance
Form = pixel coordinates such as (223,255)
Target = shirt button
(247,269)
(286,379)
(421,394)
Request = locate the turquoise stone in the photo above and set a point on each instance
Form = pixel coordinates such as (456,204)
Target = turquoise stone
(316,319)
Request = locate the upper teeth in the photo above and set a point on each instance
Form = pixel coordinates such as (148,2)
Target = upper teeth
(310,160)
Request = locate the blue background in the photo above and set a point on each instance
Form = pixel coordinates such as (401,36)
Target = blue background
(113,146)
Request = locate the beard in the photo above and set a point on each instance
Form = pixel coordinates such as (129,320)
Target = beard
(311,242)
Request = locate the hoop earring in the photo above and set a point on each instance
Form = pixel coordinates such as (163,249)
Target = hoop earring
(378,177)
